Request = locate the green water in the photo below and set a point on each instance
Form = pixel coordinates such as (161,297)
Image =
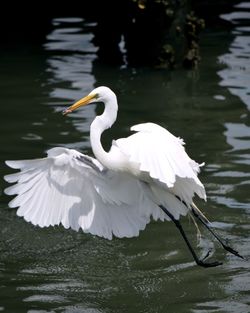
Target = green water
(58,270)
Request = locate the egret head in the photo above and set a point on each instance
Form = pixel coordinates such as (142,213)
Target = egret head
(99,94)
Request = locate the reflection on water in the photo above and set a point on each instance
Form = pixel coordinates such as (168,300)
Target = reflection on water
(238,135)
(70,68)
(57,270)
(234,175)
(235,76)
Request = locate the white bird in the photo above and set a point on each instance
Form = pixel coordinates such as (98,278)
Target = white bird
(146,175)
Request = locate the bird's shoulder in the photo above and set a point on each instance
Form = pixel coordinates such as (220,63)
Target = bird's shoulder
(147,127)
(151,135)
(156,131)
(62,156)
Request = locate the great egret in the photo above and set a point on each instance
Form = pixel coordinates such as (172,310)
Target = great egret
(147,174)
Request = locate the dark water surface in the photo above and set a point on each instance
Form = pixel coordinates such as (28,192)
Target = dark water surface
(58,270)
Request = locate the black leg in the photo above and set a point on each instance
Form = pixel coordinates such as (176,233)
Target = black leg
(227,248)
(178,225)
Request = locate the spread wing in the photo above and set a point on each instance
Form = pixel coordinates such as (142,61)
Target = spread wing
(75,190)
(163,157)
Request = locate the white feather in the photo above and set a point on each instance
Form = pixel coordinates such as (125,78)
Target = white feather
(162,156)
(64,189)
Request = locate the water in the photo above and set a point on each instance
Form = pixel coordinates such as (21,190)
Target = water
(58,270)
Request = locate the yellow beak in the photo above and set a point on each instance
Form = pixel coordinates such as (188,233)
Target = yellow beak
(84,101)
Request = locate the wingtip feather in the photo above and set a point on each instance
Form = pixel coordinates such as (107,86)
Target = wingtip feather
(9,191)
(13,164)
(9,163)
(9,178)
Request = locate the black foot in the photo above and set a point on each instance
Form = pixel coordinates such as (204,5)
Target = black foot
(204,264)
(207,255)
(231,250)
(212,264)
(227,248)
(197,260)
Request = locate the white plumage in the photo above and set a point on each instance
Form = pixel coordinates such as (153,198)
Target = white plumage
(118,192)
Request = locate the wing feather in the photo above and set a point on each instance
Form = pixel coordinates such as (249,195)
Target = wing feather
(76,191)
(163,157)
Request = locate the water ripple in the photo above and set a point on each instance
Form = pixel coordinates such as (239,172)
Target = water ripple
(236,75)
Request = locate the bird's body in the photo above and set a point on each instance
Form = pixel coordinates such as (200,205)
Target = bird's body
(143,176)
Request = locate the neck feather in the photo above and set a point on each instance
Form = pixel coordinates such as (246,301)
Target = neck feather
(101,123)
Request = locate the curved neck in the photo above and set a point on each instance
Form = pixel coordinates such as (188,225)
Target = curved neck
(101,123)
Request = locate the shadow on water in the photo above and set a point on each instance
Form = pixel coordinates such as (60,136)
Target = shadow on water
(59,270)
